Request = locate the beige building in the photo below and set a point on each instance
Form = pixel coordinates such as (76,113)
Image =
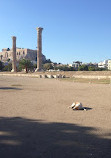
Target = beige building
(109,64)
(21,53)
(103,64)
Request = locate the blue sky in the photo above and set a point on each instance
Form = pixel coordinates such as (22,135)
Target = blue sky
(73,29)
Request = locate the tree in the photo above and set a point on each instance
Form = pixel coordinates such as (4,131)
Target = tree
(25,64)
(8,67)
(47,61)
(64,68)
(101,69)
(47,66)
(1,66)
(83,68)
(91,68)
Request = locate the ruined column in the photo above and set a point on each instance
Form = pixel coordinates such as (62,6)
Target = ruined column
(39,48)
(14,69)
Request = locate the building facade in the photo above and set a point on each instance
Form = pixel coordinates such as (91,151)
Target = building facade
(75,64)
(21,53)
(103,64)
(109,64)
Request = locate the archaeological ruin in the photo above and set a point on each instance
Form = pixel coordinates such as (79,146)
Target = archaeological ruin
(16,54)
(14,69)
(39,48)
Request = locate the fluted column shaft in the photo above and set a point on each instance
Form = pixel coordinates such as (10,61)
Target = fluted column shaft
(14,54)
(39,48)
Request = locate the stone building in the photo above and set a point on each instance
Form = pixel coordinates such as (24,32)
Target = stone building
(21,53)
(103,64)
(109,64)
(75,64)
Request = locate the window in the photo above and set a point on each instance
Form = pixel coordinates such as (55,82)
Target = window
(6,54)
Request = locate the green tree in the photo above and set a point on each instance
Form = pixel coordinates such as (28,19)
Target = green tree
(47,61)
(25,64)
(35,66)
(91,68)
(101,69)
(8,67)
(1,66)
(83,68)
(64,68)
(47,66)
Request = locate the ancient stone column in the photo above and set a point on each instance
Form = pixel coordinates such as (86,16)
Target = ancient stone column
(14,69)
(39,48)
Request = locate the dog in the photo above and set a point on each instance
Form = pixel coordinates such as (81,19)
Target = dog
(77,106)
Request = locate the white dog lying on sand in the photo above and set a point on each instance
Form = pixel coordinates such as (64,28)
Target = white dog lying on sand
(77,106)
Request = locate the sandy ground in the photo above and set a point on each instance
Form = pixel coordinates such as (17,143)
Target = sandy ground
(35,121)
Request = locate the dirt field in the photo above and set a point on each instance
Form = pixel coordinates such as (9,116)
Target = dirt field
(35,121)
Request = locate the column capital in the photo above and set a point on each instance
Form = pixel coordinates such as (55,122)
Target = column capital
(13,37)
(39,28)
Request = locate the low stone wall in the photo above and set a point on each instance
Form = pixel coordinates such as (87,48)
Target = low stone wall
(63,74)
(33,75)
(91,77)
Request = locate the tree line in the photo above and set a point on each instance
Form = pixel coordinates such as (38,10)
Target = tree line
(27,65)
(83,67)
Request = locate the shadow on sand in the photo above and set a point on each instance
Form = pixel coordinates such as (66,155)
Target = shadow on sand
(84,108)
(24,138)
(10,88)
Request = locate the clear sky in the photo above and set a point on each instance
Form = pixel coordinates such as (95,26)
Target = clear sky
(73,29)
